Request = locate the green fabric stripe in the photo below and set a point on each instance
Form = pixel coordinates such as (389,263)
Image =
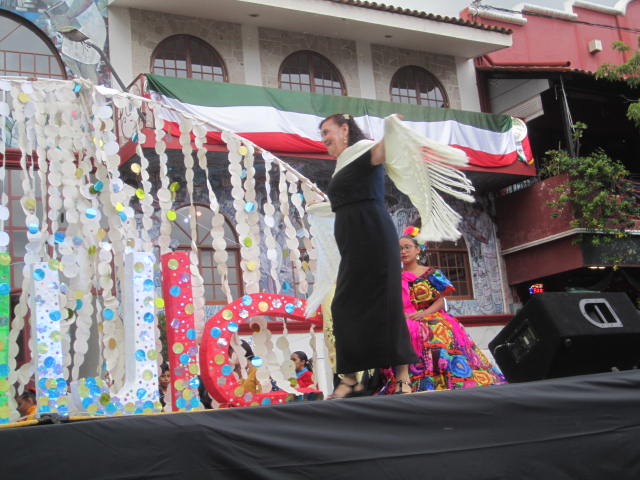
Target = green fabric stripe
(217,94)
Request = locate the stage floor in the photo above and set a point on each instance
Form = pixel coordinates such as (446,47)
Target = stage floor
(585,427)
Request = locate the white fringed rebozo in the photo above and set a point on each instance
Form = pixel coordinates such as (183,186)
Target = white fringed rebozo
(421,169)
(321,222)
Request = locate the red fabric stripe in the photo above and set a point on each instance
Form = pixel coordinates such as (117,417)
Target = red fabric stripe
(292,143)
(488,160)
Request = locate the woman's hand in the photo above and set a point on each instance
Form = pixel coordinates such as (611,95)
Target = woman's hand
(417,316)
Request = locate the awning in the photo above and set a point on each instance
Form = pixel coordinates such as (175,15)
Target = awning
(288,122)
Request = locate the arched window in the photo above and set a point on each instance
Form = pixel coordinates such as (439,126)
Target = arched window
(307,71)
(25,51)
(453,259)
(213,292)
(185,56)
(417,86)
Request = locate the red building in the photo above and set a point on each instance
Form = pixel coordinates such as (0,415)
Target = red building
(547,78)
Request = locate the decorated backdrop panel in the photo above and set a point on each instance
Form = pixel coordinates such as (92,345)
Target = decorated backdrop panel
(86,241)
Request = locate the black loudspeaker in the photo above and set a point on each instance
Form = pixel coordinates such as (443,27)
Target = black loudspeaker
(564,334)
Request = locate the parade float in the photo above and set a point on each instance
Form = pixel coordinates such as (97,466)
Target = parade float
(101,280)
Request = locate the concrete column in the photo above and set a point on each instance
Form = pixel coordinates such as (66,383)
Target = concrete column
(466,72)
(120,44)
(365,70)
(251,55)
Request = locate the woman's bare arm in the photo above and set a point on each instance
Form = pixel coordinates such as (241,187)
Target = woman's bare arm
(377,153)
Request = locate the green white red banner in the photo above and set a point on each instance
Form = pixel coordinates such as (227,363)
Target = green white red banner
(283,121)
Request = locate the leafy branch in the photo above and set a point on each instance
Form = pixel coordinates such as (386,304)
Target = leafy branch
(597,191)
(628,72)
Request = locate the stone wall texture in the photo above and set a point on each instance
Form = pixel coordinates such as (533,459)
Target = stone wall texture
(150,28)
(276,45)
(388,60)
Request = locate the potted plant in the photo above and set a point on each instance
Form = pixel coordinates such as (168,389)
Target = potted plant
(595,188)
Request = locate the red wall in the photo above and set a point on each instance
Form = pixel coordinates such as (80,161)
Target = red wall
(543,260)
(524,216)
(549,40)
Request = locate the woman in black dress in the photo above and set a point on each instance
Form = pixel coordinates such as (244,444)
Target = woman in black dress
(368,317)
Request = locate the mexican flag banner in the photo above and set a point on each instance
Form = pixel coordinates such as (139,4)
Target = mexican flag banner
(283,121)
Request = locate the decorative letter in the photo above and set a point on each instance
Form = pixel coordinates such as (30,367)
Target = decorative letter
(140,391)
(51,387)
(181,332)
(214,349)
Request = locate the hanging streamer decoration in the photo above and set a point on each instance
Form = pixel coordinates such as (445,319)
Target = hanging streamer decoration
(196,279)
(269,222)
(296,198)
(218,242)
(23,111)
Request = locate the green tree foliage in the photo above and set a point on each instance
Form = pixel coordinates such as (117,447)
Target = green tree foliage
(597,191)
(628,72)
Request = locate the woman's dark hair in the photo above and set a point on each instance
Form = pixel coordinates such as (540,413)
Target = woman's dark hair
(248,352)
(422,256)
(355,134)
(303,356)
(28,394)
(164,367)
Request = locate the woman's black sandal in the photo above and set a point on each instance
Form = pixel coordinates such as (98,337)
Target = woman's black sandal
(352,392)
(398,390)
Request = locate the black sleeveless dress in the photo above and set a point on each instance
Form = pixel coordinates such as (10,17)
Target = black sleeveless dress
(368,317)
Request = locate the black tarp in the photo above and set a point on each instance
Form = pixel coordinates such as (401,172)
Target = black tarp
(584,427)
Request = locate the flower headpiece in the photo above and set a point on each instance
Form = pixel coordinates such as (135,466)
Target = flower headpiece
(413,232)
(346,116)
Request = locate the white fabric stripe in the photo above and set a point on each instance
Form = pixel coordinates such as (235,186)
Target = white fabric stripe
(252,119)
